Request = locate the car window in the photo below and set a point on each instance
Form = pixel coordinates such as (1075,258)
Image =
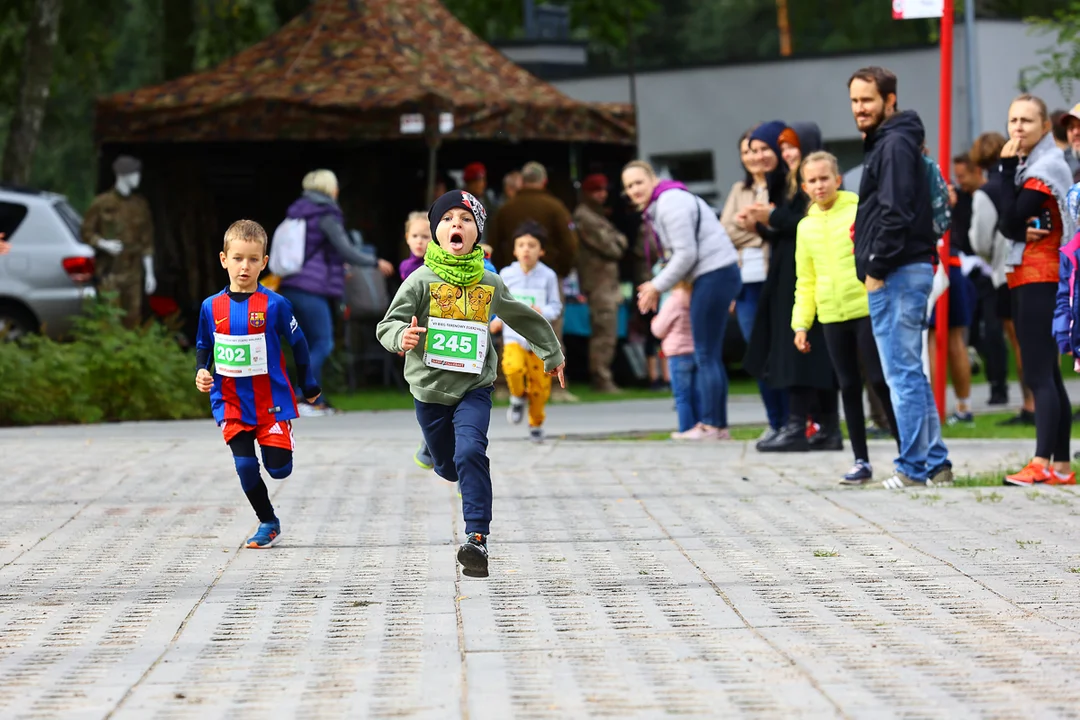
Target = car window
(70,216)
(11,217)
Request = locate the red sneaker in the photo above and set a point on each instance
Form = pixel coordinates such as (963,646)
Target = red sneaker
(1069,479)
(1033,473)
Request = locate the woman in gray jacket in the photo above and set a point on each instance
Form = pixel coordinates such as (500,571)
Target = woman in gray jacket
(686,240)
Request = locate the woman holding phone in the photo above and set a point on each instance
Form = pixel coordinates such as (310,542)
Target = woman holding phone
(1034,217)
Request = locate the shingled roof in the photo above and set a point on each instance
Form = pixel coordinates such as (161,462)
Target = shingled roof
(347,70)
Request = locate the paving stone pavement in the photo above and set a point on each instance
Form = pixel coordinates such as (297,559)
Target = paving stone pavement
(629,580)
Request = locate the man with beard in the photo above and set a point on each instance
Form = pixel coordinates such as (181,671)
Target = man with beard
(894,244)
(600,250)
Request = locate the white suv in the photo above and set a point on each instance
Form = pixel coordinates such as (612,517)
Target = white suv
(49,272)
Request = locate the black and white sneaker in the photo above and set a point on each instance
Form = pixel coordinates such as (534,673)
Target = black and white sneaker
(536,435)
(516,412)
(473,556)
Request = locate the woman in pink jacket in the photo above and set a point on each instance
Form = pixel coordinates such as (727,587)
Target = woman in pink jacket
(672,326)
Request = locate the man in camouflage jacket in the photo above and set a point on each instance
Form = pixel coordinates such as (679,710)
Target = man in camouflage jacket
(118,225)
(600,249)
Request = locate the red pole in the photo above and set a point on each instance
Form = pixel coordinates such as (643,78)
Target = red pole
(944,148)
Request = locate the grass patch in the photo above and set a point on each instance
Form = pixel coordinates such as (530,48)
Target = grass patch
(821,552)
(1075,570)
(1025,544)
(994,497)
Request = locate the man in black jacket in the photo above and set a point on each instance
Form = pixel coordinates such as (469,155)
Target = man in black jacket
(894,244)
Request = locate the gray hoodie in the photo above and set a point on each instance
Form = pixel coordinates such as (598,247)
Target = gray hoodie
(673,216)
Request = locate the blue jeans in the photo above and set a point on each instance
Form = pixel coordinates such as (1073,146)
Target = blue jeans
(457,438)
(709,303)
(683,371)
(316,318)
(898,315)
(776,400)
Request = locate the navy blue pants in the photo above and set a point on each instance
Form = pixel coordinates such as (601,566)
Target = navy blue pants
(457,437)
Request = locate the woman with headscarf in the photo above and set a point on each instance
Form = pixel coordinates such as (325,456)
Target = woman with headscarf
(1033,188)
(772,355)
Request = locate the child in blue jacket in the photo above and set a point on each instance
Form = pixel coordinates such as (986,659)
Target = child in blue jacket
(1067,309)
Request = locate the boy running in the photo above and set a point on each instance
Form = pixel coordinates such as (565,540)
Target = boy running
(451,374)
(250,393)
(535,284)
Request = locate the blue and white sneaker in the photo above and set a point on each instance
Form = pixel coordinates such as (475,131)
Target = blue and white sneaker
(960,418)
(860,473)
(267,534)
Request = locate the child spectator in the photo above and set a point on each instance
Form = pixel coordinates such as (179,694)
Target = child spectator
(240,330)
(672,326)
(535,284)
(826,285)
(451,300)
(417,236)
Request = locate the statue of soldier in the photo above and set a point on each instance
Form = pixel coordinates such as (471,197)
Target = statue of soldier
(119,227)
(600,249)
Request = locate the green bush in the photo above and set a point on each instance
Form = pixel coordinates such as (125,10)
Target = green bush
(105,373)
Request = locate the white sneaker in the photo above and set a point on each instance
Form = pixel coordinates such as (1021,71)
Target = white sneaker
(309,410)
(536,435)
(516,412)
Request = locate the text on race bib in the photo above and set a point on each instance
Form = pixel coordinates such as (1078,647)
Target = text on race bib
(240,355)
(456,345)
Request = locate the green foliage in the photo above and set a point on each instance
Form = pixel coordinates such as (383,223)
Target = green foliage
(225,27)
(1061,61)
(106,373)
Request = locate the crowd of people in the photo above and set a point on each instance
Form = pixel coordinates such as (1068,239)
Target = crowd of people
(832,288)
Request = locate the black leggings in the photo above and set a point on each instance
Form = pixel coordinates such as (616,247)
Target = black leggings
(847,342)
(1033,314)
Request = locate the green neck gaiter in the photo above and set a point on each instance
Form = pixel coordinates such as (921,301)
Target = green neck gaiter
(460,270)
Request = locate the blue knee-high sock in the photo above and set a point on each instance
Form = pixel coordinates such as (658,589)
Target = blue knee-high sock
(254,487)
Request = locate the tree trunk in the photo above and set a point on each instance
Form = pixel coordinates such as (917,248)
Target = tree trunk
(42,33)
(179,50)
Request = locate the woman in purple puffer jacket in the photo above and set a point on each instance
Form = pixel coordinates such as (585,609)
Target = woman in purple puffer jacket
(317,289)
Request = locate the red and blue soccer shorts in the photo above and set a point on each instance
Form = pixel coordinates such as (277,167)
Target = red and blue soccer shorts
(277,434)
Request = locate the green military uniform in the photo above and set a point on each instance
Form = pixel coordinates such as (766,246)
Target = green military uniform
(601,248)
(113,216)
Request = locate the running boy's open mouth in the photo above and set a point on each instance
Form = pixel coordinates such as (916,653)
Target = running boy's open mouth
(457,241)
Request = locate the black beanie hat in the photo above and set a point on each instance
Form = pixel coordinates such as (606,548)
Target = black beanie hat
(457,199)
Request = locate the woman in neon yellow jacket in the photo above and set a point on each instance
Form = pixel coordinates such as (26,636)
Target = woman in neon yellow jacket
(826,286)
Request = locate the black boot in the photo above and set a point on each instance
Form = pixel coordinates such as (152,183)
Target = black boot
(829,436)
(999,395)
(791,438)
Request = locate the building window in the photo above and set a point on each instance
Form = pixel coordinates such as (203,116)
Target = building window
(689,168)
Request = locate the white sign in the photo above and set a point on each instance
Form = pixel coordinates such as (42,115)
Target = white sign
(456,345)
(446,122)
(240,355)
(915,9)
(412,124)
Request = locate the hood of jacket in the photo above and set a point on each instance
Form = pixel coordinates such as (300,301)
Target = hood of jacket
(809,137)
(906,124)
(844,199)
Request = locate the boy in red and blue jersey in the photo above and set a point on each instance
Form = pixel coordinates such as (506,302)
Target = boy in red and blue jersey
(240,332)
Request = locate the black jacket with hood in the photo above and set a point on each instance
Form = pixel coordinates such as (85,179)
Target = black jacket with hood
(894,226)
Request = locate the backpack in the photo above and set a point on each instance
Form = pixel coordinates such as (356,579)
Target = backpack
(366,292)
(288,247)
(939,198)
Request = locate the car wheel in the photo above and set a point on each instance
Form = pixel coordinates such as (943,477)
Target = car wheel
(15,323)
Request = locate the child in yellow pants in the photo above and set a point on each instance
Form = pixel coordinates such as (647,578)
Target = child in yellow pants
(535,284)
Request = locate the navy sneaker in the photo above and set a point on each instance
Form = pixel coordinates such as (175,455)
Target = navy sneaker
(959,418)
(860,473)
(423,458)
(267,534)
(473,556)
